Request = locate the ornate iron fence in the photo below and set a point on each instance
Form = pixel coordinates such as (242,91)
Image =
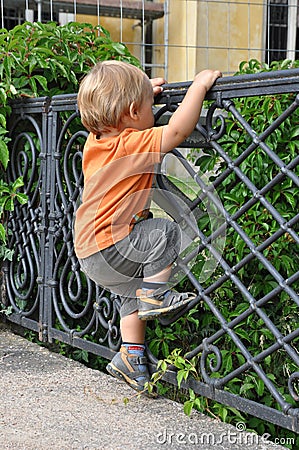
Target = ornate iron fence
(243,256)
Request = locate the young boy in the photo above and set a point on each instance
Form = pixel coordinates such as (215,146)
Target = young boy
(117,243)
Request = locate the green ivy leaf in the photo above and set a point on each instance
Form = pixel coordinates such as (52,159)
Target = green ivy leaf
(3,96)
(22,198)
(2,234)
(13,89)
(17,184)
(33,85)
(260,387)
(42,81)
(4,154)
(188,405)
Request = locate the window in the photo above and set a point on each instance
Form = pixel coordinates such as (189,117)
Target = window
(282,32)
(15,16)
(11,18)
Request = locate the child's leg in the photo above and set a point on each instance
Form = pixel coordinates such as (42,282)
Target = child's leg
(132,329)
(161,277)
(130,363)
(157,281)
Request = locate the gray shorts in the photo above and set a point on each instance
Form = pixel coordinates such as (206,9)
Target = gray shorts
(152,245)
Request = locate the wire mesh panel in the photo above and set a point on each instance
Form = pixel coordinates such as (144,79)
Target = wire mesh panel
(177,38)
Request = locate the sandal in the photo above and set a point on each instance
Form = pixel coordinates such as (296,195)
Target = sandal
(152,305)
(124,367)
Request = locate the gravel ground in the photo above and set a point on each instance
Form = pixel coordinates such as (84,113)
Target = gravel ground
(51,402)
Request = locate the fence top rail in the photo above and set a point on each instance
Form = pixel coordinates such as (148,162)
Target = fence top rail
(63,102)
(263,83)
(249,85)
(33,104)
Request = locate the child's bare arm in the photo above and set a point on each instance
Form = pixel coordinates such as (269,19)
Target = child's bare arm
(185,118)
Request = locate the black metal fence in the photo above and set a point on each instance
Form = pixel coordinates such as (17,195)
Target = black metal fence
(243,263)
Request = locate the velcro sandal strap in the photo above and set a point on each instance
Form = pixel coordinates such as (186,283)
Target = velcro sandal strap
(142,360)
(138,359)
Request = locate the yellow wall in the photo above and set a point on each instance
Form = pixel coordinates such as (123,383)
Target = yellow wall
(129,31)
(183,22)
(200,34)
(229,32)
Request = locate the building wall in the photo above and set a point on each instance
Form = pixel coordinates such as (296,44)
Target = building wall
(125,30)
(230,32)
(195,35)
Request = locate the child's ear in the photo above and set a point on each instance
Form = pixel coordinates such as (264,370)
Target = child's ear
(133,111)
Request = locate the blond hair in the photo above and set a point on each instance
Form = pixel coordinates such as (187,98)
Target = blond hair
(107,91)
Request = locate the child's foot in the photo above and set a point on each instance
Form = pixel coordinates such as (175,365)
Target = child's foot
(126,367)
(152,305)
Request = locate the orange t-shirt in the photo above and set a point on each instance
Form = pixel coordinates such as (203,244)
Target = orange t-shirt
(118,176)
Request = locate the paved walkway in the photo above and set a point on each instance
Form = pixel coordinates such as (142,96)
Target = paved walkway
(49,402)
